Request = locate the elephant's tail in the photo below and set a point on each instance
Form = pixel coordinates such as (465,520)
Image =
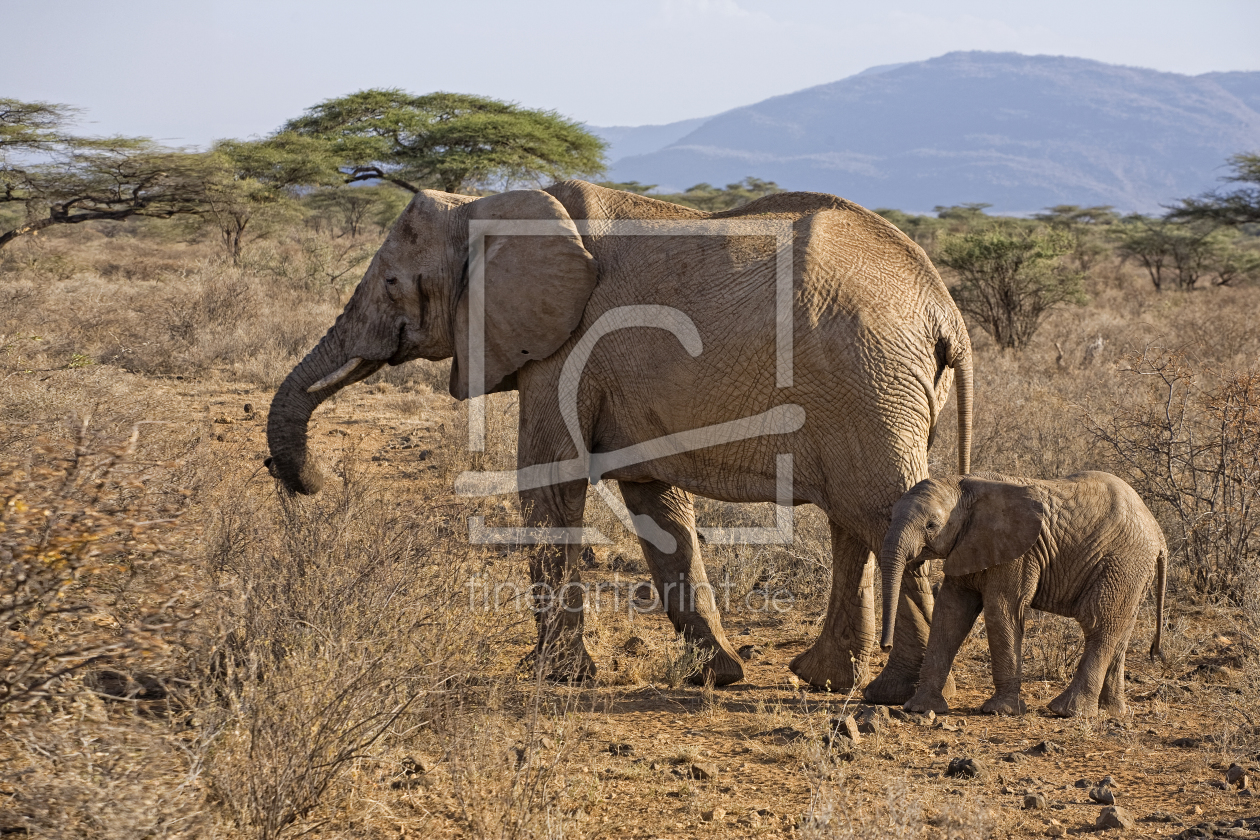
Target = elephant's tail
(1161,583)
(954,349)
(964,380)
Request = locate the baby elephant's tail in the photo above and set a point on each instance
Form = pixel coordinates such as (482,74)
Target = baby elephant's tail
(1161,583)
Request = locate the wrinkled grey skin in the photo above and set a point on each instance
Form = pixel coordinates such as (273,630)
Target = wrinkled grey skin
(877,343)
(1084,546)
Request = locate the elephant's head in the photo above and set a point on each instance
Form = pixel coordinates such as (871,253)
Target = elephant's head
(972,523)
(414,302)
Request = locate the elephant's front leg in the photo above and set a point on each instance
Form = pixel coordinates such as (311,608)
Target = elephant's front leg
(897,682)
(839,655)
(1004,625)
(679,573)
(559,602)
(955,615)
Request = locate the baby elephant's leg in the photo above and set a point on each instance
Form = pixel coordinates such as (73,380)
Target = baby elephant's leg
(1111,699)
(1081,696)
(1004,625)
(956,611)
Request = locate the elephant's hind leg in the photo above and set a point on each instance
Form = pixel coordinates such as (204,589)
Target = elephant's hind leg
(1081,696)
(557,591)
(1111,699)
(841,651)
(680,577)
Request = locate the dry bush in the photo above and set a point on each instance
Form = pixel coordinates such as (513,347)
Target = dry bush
(511,774)
(74,527)
(1188,440)
(834,813)
(83,768)
(341,617)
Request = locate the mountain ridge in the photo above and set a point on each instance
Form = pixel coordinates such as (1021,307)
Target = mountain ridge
(1020,133)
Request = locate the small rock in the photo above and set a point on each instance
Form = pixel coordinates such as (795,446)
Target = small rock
(782,734)
(965,768)
(1186,743)
(1056,831)
(1236,776)
(873,726)
(848,727)
(1108,781)
(1195,811)
(414,765)
(1115,817)
(1045,748)
(712,814)
(1016,758)
(1103,795)
(702,771)
(635,646)
(1034,802)
(1082,783)
(1162,816)
(750,652)
(249,408)
(621,749)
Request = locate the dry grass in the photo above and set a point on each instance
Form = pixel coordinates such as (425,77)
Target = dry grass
(277,667)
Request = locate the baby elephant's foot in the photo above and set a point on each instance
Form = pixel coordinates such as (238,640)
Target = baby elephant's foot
(1004,704)
(1069,704)
(925,700)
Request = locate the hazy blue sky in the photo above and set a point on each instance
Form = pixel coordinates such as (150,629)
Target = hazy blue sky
(189,72)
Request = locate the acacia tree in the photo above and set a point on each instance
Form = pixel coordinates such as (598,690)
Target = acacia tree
(448,141)
(1181,253)
(1010,278)
(1234,208)
(57,178)
(251,183)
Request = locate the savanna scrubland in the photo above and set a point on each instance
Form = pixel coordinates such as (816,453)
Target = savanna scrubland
(189,652)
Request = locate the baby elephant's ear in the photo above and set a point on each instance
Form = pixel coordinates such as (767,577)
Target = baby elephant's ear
(1003,522)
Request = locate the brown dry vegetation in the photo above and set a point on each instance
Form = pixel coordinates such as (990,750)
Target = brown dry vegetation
(238,663)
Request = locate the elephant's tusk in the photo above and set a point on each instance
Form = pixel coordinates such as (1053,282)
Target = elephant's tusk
(336,376)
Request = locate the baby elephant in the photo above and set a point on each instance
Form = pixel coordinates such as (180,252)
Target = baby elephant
(1084,546)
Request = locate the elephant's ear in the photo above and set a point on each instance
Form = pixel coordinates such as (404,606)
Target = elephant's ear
(537,278)
(1003,522)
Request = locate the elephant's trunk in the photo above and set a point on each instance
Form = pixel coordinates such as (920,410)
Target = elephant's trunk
(899,546)
(324,371)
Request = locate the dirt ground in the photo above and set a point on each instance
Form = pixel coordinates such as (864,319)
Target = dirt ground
(768,749)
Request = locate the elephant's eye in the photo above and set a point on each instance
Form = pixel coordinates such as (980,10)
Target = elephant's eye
(932,525)
(391,281)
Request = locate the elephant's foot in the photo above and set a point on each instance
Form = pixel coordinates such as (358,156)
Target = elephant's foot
(723,669)
(1073,704)
(822,667)
(1004,704)
(1111,700)
(569,663)
(1114,706)
(895,686)
(926,700)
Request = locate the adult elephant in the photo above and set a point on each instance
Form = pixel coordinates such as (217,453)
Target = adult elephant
(688,352)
